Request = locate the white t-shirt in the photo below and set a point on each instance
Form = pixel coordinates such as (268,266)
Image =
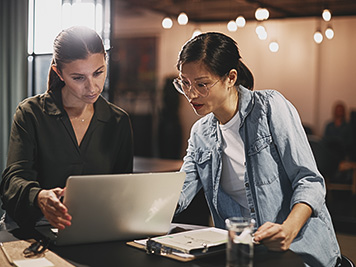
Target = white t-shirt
(233,165)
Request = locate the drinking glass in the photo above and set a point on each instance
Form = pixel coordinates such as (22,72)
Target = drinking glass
(239,251)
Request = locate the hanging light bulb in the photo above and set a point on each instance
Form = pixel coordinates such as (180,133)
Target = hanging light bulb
(167,23)
(196,33)
(182,19)
(326,15)
(260,29)
(261,13)
(240,21)
(318,37)
(329,33)
(261,32)
(231,26)
(262,36)
(274,47)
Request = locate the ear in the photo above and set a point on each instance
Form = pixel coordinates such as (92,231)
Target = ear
(232,77)
(56,70)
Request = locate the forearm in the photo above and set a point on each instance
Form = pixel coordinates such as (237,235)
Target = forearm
(18,196)
(298,216)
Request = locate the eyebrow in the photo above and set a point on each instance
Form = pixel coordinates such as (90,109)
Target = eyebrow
(199,78)
(74,73)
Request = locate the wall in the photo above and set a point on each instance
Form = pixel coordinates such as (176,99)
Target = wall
(311,76)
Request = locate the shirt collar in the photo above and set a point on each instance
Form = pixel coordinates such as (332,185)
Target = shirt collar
(246,102)
(52,105)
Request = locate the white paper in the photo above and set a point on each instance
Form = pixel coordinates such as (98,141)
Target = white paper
(40,262)
(195,239)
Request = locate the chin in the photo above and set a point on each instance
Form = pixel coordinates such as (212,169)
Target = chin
(199,113)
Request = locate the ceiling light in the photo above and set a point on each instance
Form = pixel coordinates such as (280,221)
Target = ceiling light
(261,13)
(318,37)
(329,33)
(261,32)
(240,21)
(326,15)
(167,23)
(232,26)
(274,47)
(260,29)
(182,19)
(196,33)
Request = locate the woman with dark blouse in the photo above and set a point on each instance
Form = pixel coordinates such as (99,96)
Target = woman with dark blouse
(69,130)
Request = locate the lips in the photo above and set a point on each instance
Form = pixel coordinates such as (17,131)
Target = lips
(92,96)
(196,106)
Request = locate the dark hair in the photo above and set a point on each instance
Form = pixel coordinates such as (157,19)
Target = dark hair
(219,53)
(74,43)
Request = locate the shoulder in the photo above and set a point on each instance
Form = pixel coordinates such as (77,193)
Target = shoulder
(32,101)
(272,99)
(204,129)
(31,105)
(204,123)
(108,111)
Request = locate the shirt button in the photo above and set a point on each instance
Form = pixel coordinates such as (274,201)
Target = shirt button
(247,185)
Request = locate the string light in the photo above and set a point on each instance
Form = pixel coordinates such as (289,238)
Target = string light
(196,32)
(232,26)
(240,21)
(261,32)
(329,33)
(274,47)
(182,19)
(318,37)
(326,15)
(167,23)
(261,14)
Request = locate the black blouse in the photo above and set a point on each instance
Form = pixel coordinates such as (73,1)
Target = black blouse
(43,151)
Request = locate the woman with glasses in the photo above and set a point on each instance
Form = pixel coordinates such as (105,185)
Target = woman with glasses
(69,130)
(250,154)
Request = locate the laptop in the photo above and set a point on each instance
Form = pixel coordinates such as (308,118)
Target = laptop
(119,206)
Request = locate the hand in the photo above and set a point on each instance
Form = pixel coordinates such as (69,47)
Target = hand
(275,237)
(278,237)
(52,208)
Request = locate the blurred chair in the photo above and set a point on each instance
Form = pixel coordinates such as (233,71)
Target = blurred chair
(346,262)
(345,166)
(330,166)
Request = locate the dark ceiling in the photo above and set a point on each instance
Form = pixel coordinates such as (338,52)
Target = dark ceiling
(225,10)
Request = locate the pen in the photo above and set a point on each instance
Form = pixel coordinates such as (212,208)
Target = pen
(7,255)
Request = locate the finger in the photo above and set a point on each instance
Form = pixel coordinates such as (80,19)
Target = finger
(264,227)
(59,221)
(58,191)
(269,232)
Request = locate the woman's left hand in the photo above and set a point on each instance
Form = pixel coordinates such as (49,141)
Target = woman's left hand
(278,237)
(274,236)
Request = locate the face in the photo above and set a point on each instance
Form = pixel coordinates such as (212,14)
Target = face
(84,79)
(219,100)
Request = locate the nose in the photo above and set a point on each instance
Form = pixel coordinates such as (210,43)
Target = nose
(90,85)
(192,93)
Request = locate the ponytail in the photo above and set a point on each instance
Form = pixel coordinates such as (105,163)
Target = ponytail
(54,82)
(244,76)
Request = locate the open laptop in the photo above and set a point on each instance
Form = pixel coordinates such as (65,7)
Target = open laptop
(119,207)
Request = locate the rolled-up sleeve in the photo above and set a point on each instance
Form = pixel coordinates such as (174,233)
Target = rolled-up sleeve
(297,157)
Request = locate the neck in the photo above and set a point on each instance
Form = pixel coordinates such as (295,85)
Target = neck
(229,108)
(80,113)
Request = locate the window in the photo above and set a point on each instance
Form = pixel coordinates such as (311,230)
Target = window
(46,19)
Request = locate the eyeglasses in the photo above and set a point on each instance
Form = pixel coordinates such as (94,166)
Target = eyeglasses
(200,88)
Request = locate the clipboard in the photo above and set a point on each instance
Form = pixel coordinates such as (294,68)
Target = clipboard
(14,250)
(185,246)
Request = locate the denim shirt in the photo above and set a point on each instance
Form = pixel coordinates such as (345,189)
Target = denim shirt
(280,172)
